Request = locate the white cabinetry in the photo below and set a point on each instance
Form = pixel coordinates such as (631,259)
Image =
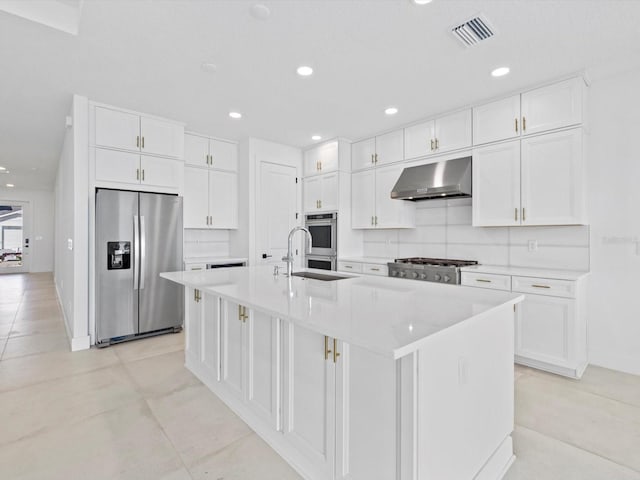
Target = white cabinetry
(371,203)
(115,166)
(211,183)
(538,180)
(380,150)
(202,332)
(548,108)
(128,131)
(451,132)
(321,193)
(324,158)
(550,328)
(499,120)
(202,151)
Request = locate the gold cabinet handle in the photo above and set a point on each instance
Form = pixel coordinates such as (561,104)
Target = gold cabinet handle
(240,312)
(371,220)
(372,161)
(244,314)
(437,146)
(320,203)
(320,162)
(516,125)
(516,214)
(326,348)
(432,144)
(524,124)
(540,286)
(137,174)
(376,158)
(195,295)
(376,220)
(335,351)
(348,266)
(375,269)
(143,174)
(524,218)
(143,142)
(483,280)
(138,141)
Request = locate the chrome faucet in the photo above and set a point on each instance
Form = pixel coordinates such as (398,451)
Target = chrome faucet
(289,257)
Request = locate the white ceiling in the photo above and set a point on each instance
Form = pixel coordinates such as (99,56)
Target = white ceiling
(367,54)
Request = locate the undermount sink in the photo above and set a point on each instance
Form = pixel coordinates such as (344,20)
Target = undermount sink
(317,276)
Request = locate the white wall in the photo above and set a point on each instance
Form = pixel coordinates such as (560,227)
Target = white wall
(614,211)
(38,225)
(71,226)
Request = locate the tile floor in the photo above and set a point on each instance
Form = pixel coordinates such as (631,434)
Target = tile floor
(133,411)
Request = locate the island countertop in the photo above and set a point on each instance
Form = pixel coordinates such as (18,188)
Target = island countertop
(393,317)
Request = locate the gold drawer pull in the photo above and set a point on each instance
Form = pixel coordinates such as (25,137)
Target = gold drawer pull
(348,266)
(482,280)
(541,286)
(335,351)
(326,348)
(375,269)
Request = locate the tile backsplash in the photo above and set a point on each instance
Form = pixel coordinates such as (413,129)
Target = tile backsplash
(206,243)
(443,230)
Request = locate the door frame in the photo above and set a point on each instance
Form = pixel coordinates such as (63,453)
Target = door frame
(26,233)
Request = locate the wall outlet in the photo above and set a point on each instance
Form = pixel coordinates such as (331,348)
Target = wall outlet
(533,245)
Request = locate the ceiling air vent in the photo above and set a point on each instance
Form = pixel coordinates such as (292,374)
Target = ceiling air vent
(473,31)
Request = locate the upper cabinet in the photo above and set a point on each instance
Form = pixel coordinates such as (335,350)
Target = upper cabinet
(383,149)
(497,120)
(145,134)
(322,159)
(533,181)
(321,193)
(555,106)
(536,111)
(451,132)
(208,152)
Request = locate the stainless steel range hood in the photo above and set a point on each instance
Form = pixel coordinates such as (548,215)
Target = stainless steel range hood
(449,178)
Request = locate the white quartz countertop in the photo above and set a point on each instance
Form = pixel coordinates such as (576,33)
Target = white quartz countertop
(393,317)
(376,260)
(214,260)
(527,272)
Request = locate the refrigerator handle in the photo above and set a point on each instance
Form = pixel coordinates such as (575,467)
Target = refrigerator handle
(143,251)
(136,252)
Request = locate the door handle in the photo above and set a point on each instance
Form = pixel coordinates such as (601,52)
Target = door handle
(264,255)
(136,253)
(143,251)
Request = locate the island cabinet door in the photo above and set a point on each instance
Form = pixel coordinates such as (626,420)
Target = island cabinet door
(192,323)
(366,415)
(309,398)
(263,366)
(232,348)
(210,332)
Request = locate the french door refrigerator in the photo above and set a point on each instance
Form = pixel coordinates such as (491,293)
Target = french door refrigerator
(138,235)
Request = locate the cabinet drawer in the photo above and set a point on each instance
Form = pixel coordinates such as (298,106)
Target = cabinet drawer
(350,267)
(375,269)
(487,280)
(544,286)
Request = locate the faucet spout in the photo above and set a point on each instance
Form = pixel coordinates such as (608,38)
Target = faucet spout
(289,257)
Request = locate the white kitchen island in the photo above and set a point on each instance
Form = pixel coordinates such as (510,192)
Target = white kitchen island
(364,378)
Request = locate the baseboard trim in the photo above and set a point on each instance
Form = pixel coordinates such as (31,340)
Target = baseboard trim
(77,343)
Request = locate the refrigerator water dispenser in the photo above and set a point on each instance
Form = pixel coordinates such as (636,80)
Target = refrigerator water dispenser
(118,255)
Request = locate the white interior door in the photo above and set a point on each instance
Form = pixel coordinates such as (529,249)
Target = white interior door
(275,212)
(15,236)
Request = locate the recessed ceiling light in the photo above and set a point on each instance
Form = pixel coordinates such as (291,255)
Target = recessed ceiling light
(500,72)
(10,185)
(3,168)
(422,2)
(391,111)
(235,115)
(304,71)
(209,67)
(260,11)
(316,137)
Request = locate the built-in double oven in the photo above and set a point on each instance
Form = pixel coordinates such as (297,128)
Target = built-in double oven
(324,241)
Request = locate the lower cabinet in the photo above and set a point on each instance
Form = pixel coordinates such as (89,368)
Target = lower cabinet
(550,324)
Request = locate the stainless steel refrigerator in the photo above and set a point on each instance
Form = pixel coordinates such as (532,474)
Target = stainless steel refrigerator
(138,235)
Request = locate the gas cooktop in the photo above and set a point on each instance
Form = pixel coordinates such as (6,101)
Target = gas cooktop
(441,270)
